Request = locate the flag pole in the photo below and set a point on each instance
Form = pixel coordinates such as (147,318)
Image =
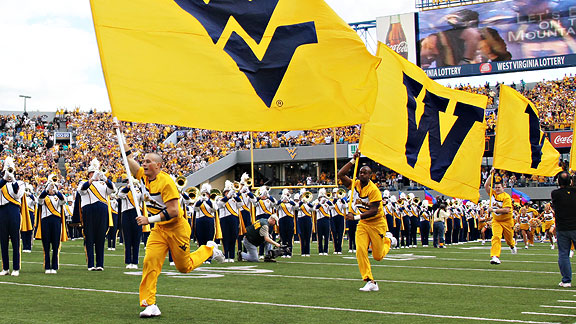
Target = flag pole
(356,160)
(120,137)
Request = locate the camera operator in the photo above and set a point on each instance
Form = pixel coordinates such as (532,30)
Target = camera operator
(256,235)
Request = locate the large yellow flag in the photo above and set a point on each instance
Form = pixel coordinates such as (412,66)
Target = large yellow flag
(520,145)
(427,132)
(258,65)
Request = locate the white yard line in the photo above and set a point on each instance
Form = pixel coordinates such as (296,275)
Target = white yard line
(563,307)
(567,301)
(548,314)
(354,310)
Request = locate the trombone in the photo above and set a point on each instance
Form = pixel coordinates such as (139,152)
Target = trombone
(181,182)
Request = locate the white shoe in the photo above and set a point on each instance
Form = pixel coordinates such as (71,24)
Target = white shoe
(514,250)
(349,251)
(370,286)
(172,264)
(48,271)
(99,269)
(287,257)
(91,269)
(15,273)
(526,247)
(338,253)
(565,284)
(109,249)
(495,260)
(571,253)
(26,251)
(483,242)
(552,247)
(230,260)
(134,266)
(392,239)
(150,311)
(53,271)
(128,266)
(4,272)
(217,255)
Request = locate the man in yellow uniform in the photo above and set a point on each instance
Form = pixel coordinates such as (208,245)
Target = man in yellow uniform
(171,232)
(372,227)
(502,220)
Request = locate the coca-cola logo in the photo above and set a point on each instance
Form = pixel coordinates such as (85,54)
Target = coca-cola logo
(563,139)
(485,68)
(399,48)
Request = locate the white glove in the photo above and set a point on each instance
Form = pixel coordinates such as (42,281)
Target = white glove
(8,176)
(95,176)
(244,189)
(322,200)
(205,198)
(230,194)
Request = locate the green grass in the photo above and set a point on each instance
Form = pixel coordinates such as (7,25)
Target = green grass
(456,281)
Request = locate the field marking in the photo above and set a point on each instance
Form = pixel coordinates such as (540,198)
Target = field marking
(563,307)
(355,310)
(548,314)
(567,301)
(408,282)
(422,267)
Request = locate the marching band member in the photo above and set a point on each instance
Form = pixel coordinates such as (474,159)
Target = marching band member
(414,213)
(351,224)
(31,204)
(338,213)
(372,228)
(456,221)
(248,203)
(94,214)
(264,208)
(51,225)
(449,222)
(549,224)
(205,216)
(323,215)
(502,221)
(228,213)
(403,210)
(11,217)
(523,219)
(131,231)
(305,228)
(285,211)
(113,228)
(396,226)
(424,223)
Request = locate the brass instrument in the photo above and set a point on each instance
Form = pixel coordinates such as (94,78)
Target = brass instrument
(104,171)
(215,193)
(248,182)
(341,193)
(329,194)
(237,186)
(181,183)
(416,201)
(193,193)
(306,197)
(9,164)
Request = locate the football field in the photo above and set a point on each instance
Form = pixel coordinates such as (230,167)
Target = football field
(422,285)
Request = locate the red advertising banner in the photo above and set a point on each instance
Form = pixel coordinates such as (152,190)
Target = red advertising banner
(561,139)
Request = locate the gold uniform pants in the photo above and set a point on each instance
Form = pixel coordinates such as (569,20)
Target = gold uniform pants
(176,238)
(499,229)
(372,233)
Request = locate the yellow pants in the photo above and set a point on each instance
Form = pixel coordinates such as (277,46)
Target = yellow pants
(366,234)
(176,238)
(499,229)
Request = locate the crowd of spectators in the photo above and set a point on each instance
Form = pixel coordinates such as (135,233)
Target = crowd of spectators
(30,140)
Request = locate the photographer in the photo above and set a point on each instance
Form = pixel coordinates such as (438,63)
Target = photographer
(256,235)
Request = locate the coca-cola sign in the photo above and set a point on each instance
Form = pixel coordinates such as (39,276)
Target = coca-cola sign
(400,48)
(561,139)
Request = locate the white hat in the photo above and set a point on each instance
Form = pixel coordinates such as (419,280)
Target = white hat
(297,196)
(206,188)
(335,190)
(425,203)
(244,177)
(411,196)
(285,192)
(402,196)
(386,194)
(94,165)
(322,192)
(228,185)
(393,199)
(274,217)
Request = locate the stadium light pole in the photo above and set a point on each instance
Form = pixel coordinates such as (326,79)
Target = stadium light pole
(25,97)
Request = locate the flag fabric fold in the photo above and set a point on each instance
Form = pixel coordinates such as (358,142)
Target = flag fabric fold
(519,196)
(234,65)
(426,132)
(520,145)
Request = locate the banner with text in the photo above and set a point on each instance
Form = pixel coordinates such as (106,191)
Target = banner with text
(399,33)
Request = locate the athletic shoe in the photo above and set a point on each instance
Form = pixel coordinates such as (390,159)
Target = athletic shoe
(483,242)
(495,260)
(15,273)
(288,257)
(150,311)
(230,260)
(392,239)
(99,269)
(552,247)
(129,266)
(53,271)
(370,286)
(513,250)
(338,253)
(134,266)
(47,271)
(91,269)
(565,284)
(26,251)
(217,255)
(4,272)
(172,264)
(526,247)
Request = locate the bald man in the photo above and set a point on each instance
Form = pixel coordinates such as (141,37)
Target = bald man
(171,232)
(372,227)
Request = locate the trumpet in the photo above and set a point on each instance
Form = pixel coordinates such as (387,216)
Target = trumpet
(416,201)
(215,193)
(52,178)
(329,194)
(9,164)
(237,186)
(306,197)
(104,171)
(181,183)
(248,182)
(341,193)
(192,192)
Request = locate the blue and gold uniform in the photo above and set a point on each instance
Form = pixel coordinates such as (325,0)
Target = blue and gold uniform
(131,231)
(229,215)
(51,227)
(13,218)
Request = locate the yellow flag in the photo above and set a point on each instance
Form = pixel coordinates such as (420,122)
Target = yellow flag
(244,65)
(427,132)
(520,145)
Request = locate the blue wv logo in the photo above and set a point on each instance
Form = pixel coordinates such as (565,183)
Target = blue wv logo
(441,154)
(254,16)
(536,138)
